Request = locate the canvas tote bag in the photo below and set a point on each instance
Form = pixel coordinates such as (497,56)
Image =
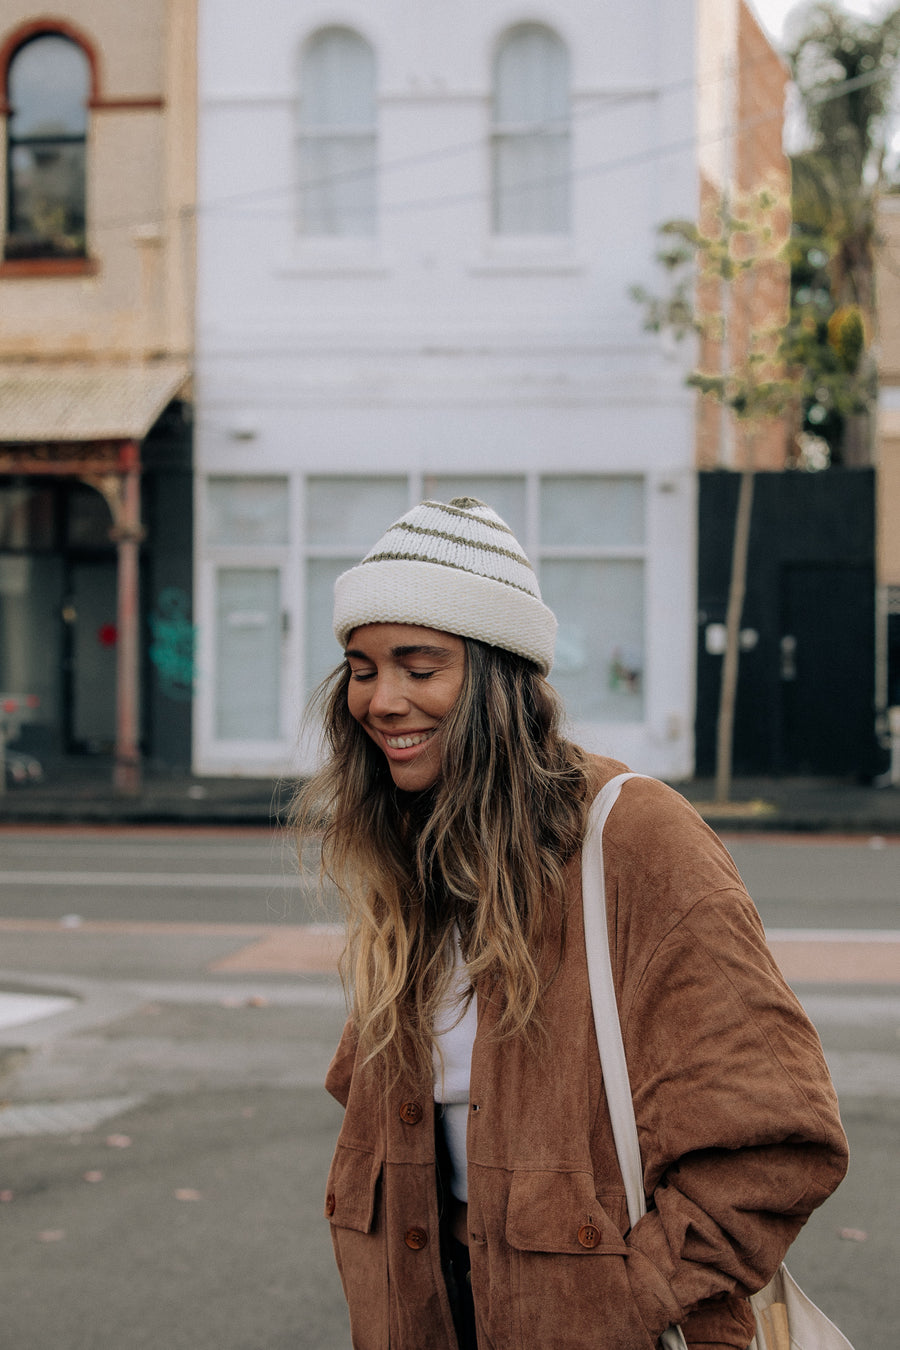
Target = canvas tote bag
(785,1318)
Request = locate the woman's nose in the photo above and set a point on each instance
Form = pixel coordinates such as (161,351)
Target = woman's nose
(387,697)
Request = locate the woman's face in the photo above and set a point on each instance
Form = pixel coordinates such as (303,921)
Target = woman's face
(403,682)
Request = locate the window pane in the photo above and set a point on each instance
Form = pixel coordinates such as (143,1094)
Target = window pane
(531,77)
(31,635)
(88,519)
(248,654)
(247,511)
(600,644)
(352,512)
(338,81)
(49,85)
(27,517)
(592,512)
(47,200)
(337,186)
(531,184)
(322,650)
(505,495)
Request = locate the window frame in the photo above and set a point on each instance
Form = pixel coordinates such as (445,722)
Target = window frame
(45,261)
(315,135)
(522,134)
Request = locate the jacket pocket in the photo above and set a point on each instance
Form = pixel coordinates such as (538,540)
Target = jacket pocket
(560,1212)
(568,1285)
(352,1184)
(357,1233)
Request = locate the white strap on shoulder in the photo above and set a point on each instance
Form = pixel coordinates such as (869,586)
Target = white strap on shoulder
(606,1015)
(603,997)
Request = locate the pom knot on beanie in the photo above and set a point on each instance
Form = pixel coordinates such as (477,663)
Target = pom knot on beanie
(456,567)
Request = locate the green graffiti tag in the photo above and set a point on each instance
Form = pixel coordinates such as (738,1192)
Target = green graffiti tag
(174,641)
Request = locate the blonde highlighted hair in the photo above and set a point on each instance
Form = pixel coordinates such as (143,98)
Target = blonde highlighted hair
(484,849)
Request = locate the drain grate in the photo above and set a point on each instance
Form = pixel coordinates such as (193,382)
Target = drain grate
(74,1117)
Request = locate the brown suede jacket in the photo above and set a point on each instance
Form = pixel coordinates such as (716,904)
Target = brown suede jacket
(739,1129)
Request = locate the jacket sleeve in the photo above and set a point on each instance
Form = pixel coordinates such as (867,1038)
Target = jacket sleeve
(739,1126)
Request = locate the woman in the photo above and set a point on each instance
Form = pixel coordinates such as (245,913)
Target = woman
(474,1196)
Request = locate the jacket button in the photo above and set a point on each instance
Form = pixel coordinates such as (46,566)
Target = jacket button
(416,1239)
(329,1205)
(411,1113)
(588,1235)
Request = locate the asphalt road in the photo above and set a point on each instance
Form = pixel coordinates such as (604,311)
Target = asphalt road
(164,1136)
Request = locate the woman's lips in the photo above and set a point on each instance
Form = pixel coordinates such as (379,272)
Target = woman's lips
(408,742)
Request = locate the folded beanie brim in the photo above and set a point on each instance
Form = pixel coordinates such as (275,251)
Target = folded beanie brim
(434,596)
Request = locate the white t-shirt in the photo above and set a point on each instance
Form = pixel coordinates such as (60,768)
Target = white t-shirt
(454,1039)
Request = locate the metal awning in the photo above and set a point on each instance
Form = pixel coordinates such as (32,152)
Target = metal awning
(58,401)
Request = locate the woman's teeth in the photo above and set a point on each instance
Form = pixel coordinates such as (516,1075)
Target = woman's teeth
(407,742)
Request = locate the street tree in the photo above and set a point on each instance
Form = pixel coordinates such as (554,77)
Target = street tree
(720,273)
(844,69)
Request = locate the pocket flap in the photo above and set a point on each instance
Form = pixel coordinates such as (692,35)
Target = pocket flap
(559,1212)
(352,1182)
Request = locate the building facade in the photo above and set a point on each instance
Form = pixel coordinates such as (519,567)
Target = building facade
(96,317)
(419,229)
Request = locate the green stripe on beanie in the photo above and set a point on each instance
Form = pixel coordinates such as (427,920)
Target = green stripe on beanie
(456,567)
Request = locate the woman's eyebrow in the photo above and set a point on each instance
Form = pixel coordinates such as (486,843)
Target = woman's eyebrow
(417,649)
(421,650)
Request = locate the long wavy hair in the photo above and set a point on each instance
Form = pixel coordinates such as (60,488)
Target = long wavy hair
(484,849)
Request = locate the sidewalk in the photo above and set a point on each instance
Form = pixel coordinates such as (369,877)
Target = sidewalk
(81,792)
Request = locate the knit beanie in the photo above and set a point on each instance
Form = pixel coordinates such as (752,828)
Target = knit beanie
(456,567)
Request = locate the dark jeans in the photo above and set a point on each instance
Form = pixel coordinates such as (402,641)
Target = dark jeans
(459,1290)
(454,1254)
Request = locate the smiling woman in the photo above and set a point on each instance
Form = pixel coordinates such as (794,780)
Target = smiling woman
(475,1196)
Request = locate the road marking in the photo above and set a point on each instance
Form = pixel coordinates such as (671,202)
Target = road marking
(805,955)
(176,880)
(71,1117)
(17,1009)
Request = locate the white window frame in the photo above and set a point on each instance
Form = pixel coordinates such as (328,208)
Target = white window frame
(519,135)
(314,133)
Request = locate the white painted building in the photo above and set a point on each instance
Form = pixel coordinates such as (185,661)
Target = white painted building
(419,224)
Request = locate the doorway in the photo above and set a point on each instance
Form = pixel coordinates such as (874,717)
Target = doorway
(827,624)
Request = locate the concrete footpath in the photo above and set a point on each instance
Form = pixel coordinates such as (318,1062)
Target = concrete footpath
(82,793)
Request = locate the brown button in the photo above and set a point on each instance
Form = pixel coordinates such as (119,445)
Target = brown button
(588,1235)
(411,1113)
(416,1239)
(329,1205)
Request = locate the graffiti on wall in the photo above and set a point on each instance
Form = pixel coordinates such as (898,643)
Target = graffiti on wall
(173,644)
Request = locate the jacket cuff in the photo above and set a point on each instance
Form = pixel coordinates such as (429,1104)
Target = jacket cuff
(652,1293)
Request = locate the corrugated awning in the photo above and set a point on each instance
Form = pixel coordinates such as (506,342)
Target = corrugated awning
(85,400)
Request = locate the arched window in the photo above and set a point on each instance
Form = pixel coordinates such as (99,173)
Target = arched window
(338,142)
(531,150)
(48,86)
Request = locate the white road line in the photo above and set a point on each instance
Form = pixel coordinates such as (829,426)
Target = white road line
(17,1009)
(233,881)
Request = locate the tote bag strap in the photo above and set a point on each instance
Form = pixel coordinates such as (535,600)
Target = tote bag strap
(603,998)
(606,1015)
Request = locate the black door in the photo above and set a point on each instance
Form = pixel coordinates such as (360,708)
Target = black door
(826,668)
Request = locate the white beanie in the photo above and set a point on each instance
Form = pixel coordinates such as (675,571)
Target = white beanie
(456,567)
